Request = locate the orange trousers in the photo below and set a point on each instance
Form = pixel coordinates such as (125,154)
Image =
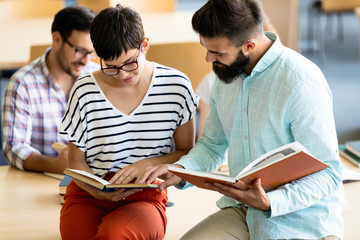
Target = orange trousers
(140,216)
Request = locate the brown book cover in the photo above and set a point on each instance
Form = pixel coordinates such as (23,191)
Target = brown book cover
(275,168)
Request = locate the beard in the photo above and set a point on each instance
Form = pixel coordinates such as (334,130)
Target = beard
(226,73)
(66,67)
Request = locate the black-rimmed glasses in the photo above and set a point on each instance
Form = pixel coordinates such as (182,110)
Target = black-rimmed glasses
(127,67)
(80,53)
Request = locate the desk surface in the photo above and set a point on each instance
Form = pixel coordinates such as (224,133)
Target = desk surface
(18,35)
(29,207)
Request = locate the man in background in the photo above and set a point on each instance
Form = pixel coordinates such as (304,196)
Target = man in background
(36,95)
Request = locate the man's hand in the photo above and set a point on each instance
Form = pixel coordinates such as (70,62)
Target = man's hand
(42,163)
(62,159)
(252,195)
(159,171)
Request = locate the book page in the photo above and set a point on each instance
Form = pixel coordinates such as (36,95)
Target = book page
(273,156)
(90,176)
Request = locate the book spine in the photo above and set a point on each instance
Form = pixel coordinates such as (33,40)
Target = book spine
(349,158)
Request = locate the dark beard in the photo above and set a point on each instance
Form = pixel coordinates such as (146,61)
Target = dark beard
(227,74)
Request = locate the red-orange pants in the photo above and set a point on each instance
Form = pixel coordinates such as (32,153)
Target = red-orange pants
(140,216)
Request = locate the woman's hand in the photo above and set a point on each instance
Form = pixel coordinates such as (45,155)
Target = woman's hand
(131,172)
(117,195)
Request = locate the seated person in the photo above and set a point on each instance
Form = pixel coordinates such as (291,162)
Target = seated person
(121,121)
(36,95)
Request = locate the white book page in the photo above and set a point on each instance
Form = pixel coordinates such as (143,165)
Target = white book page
(81,172)
(349,174)
(272,157)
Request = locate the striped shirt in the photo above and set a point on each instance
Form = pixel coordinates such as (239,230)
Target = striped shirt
(285,98)
(33,108)
(113,140)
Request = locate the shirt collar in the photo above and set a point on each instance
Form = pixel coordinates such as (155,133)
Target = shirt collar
(271,54)
(44,68)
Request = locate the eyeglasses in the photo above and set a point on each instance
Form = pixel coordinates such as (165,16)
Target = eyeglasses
(80,53)
(127,67)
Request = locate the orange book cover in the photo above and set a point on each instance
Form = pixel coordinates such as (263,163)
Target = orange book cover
(275,168)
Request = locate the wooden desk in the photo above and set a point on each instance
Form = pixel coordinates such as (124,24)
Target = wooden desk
(169,34)
(29,205)
(351,207)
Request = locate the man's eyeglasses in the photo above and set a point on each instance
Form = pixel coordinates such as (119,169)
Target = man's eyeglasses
(127,67)
(80,53)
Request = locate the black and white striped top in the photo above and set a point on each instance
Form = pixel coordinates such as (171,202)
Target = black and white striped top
(113,140)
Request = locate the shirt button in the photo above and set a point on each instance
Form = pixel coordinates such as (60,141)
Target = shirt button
(244,109)
(246,138)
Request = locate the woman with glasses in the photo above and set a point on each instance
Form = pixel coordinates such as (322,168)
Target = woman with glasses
(122,121)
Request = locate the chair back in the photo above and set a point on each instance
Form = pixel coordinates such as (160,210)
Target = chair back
(37,50)
(187,57)
(284,16)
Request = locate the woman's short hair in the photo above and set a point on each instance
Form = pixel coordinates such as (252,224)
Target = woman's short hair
(116,29)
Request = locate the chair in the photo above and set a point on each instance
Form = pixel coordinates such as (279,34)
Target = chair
(187,57)
(15,9)
(141,6)
(37,50)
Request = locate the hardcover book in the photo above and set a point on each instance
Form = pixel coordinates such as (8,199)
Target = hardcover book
(275,168)
(100,183)
(346,154)
(353,147)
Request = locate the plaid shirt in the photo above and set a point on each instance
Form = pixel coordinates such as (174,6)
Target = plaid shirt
(33,108)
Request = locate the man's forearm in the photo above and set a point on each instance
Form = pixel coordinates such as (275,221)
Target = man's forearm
(42,163)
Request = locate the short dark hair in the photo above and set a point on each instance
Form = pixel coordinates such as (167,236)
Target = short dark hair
(72,18)
(238,20)
(116,29)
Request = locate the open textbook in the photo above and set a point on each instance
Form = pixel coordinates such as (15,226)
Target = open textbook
(100,183)
(275,168)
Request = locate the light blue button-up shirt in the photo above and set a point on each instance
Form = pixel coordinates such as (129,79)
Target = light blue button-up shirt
(286,98)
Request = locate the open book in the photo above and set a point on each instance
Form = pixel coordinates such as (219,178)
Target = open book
(275,168)
(100,183)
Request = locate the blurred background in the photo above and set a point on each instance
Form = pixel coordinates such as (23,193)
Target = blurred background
(325,33)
